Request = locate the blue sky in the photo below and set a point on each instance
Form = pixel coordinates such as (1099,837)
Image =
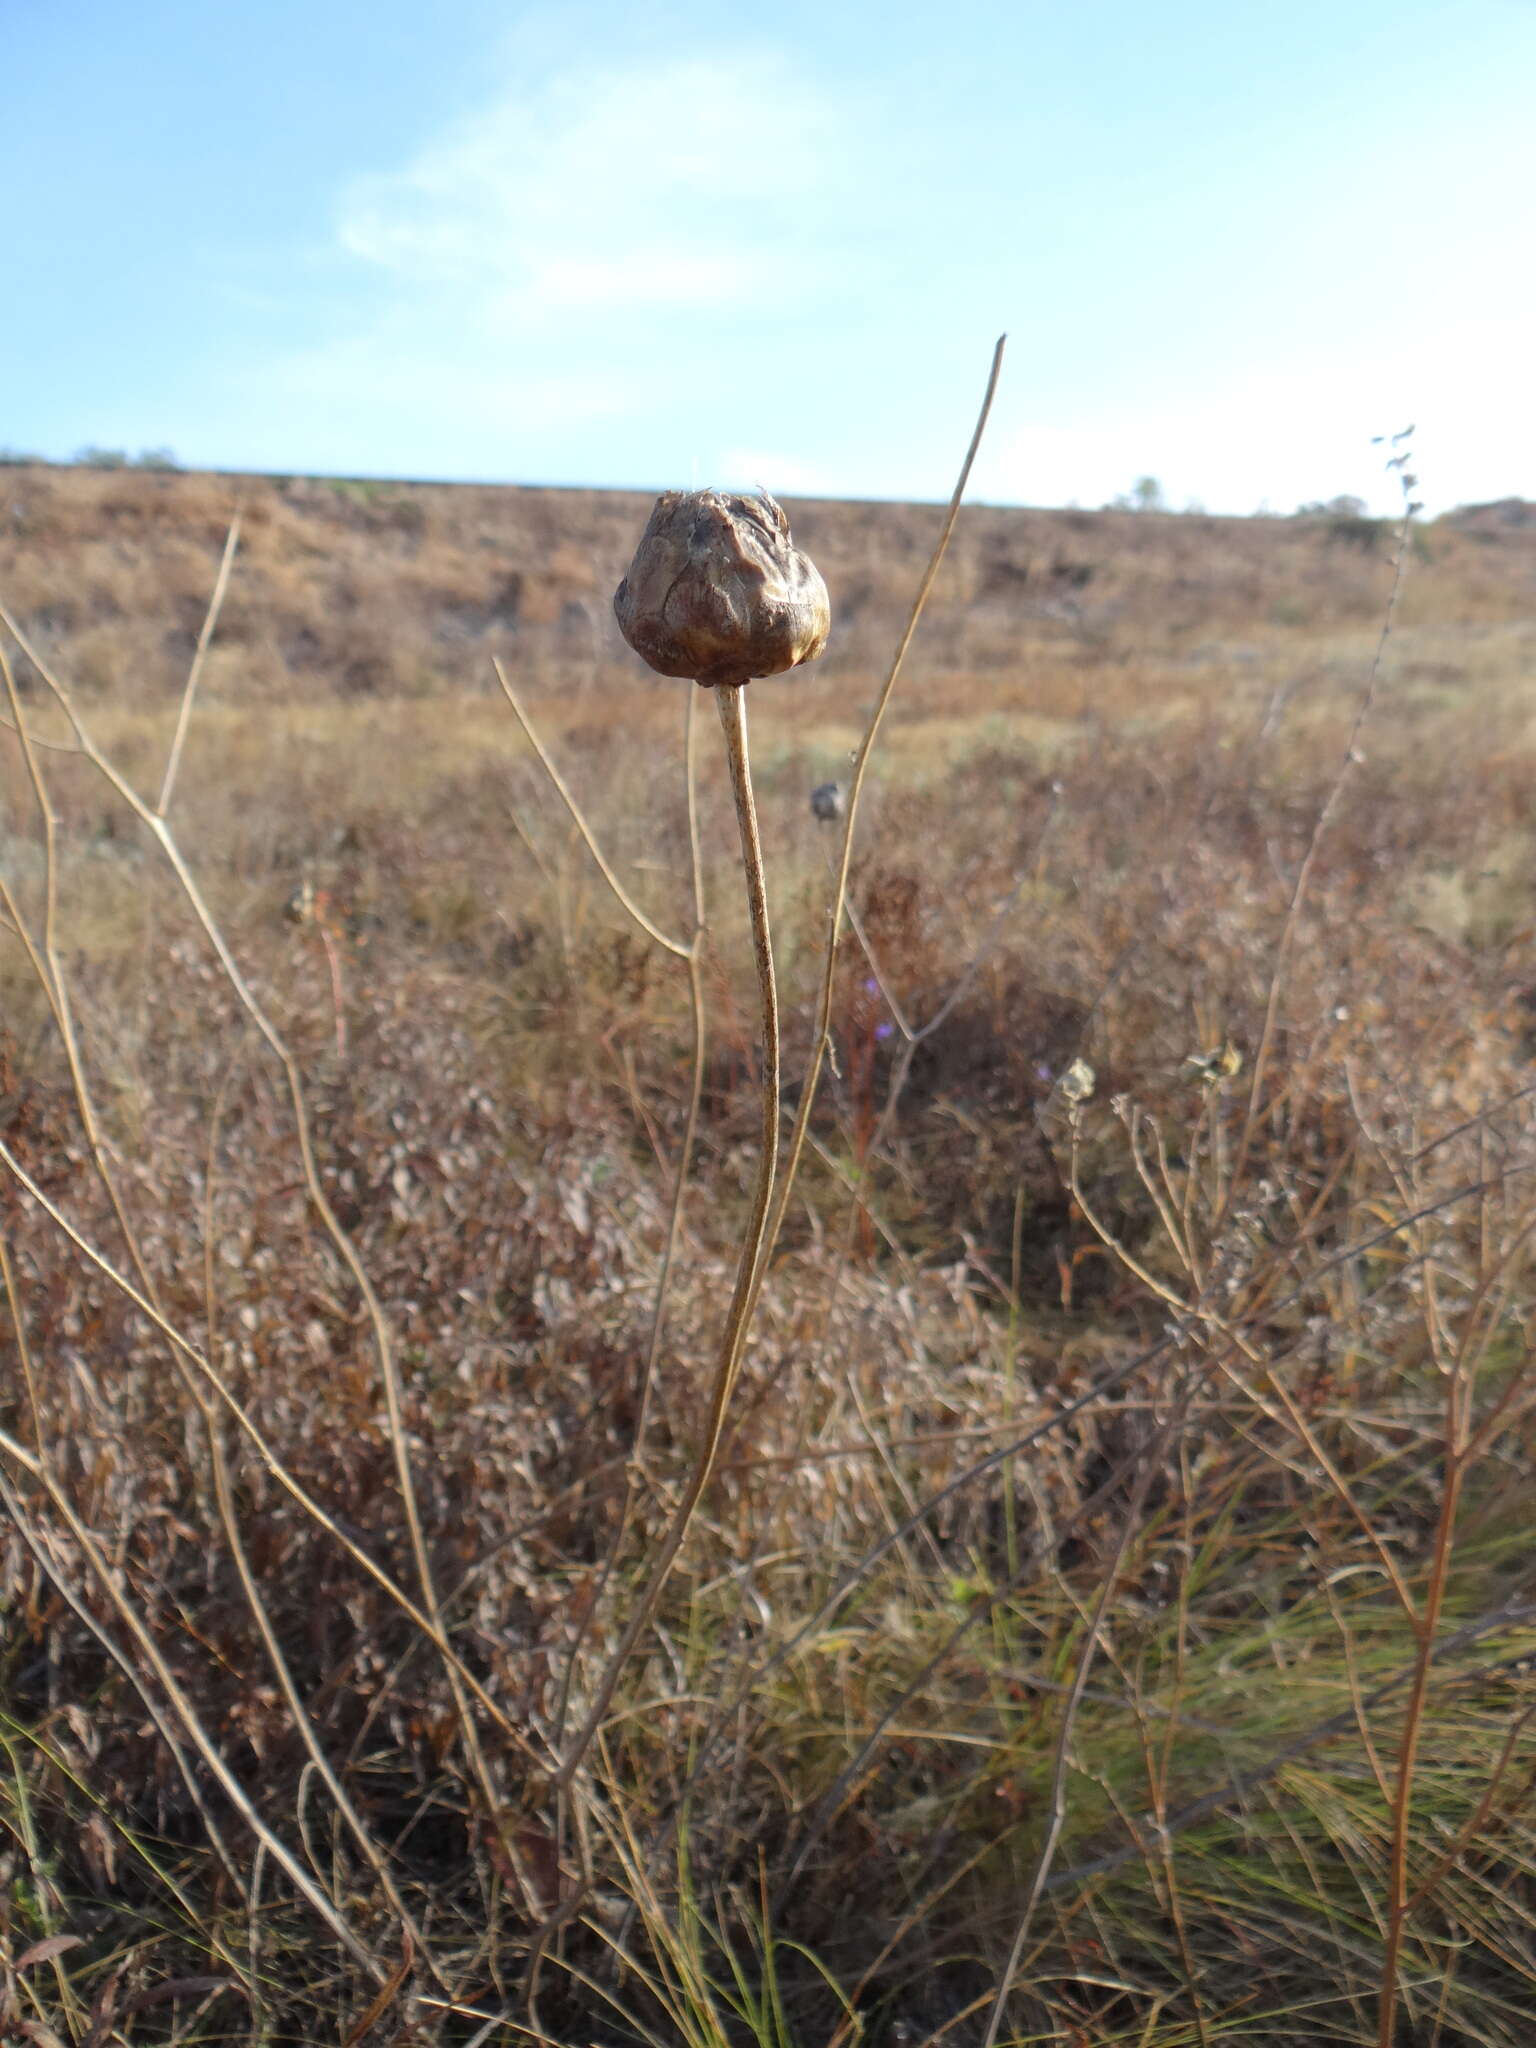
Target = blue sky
(608,243)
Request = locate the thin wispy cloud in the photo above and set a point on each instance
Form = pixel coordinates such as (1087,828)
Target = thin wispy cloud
(525,267)
(676,185)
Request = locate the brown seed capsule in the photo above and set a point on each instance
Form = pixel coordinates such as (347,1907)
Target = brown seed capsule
(718,592)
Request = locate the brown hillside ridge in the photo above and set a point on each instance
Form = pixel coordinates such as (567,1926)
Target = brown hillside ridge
(405,589)
(1500,516)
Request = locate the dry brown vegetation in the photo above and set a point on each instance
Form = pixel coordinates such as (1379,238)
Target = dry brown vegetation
(1158,1461)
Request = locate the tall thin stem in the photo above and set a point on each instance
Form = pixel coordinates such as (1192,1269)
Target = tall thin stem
(694,963)
(557,780)
(194,674)
(821,1036)
(696,1072)
(733,717)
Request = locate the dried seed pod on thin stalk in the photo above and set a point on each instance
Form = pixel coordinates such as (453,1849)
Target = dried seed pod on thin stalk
(719,592)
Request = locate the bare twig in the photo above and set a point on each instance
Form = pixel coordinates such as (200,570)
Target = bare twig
(194,673)
(822,1029)
(546,762)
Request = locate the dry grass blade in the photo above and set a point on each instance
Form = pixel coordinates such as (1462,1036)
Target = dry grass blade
(822,1027)
(1061,1759)
(186,1717)
(604,866)
(419,1619)
(194,673)
(384,1347)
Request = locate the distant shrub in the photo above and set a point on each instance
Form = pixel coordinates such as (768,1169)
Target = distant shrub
(1346,523)
(1145,495)
(1342,507)
(92,457)
(363,490)
(1350,530)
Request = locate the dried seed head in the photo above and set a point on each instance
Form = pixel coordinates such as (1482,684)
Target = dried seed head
(718,592)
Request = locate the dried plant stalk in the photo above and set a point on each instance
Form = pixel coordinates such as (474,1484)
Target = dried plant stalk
(718,591)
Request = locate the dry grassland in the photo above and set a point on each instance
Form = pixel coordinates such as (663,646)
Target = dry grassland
(1112,1619)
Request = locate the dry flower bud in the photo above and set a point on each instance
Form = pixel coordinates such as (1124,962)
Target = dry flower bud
(718,592)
